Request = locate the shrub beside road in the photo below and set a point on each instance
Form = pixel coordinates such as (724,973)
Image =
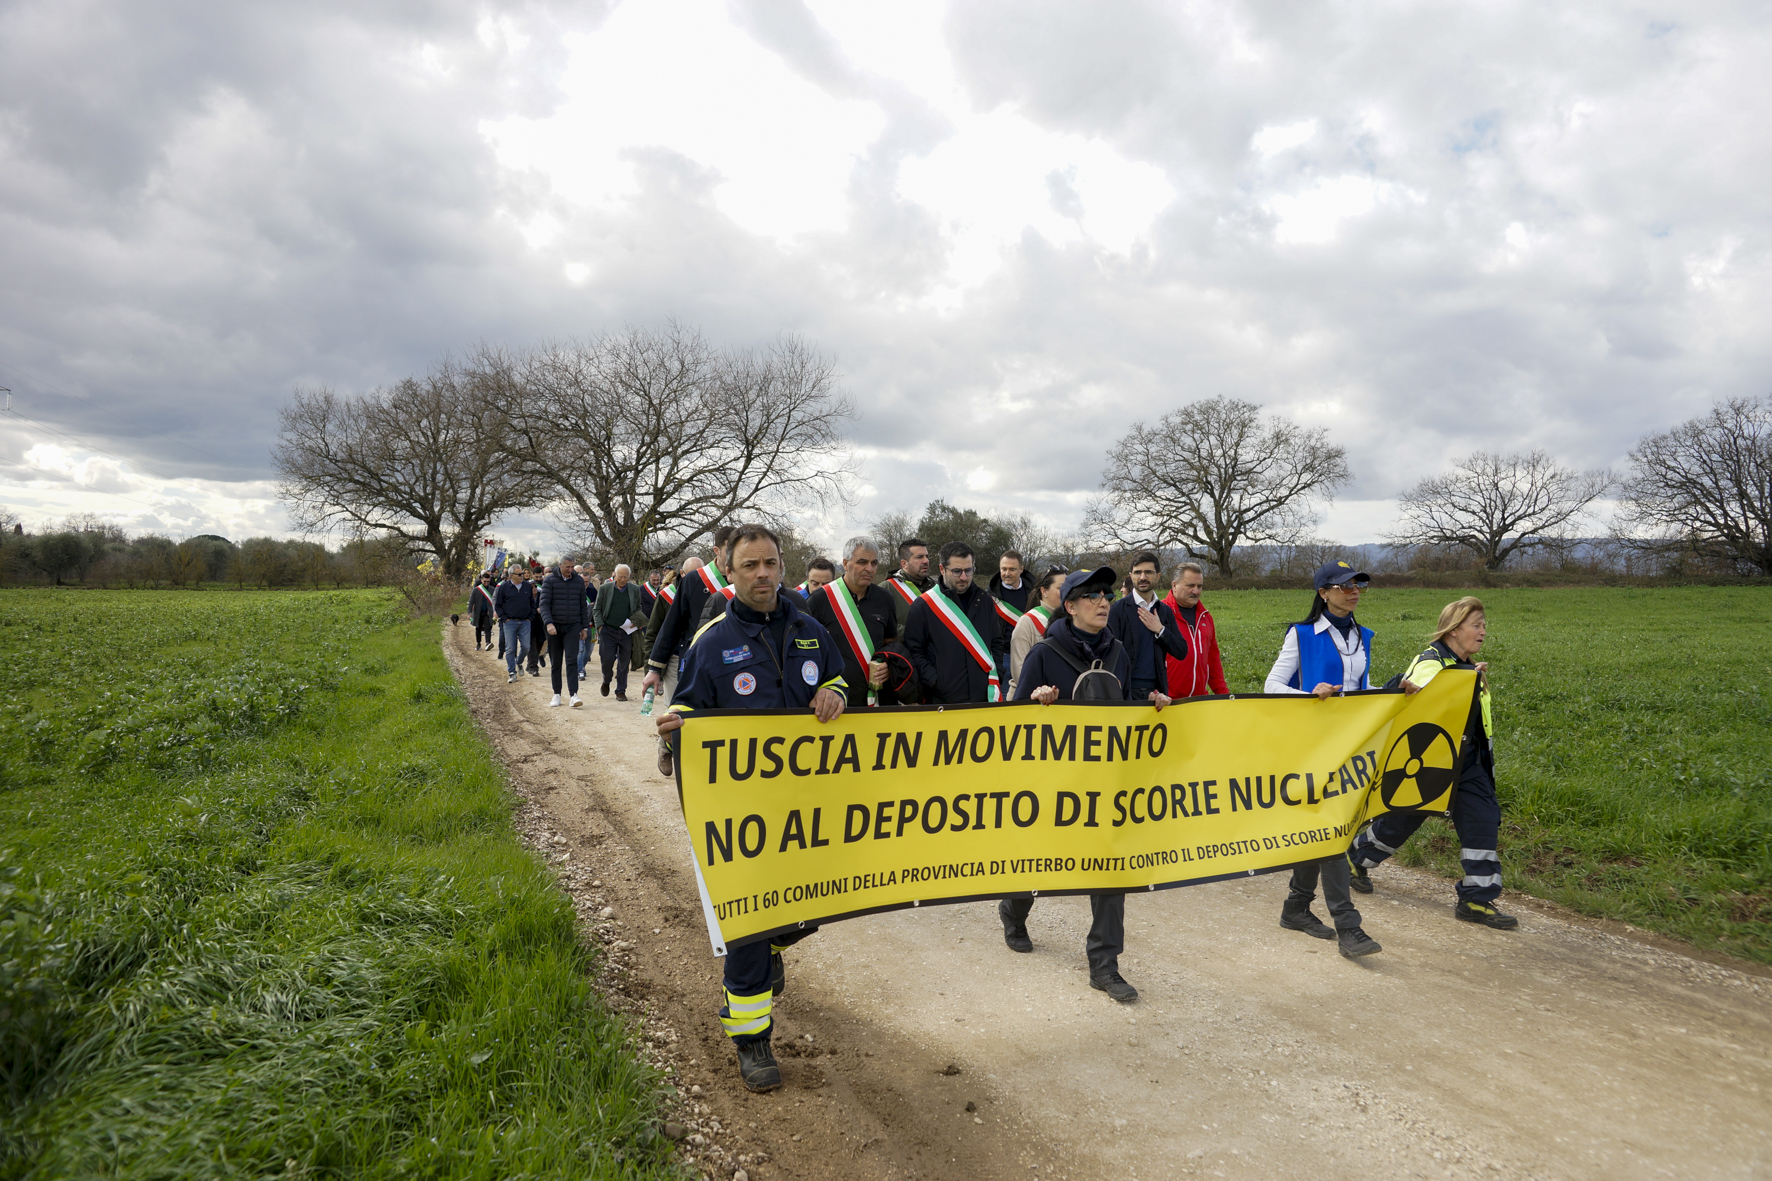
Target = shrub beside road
(262,911)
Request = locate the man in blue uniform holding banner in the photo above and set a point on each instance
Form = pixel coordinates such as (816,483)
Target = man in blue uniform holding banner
(764,652)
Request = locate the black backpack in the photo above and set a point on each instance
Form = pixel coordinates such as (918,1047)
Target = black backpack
(1094,681)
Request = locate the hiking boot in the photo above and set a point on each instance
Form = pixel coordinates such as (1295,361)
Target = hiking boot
(1356,943)
(756,1065)
(1115,986)
(1359,879)
(605,688)
(1303,920)
(1014,934)
(665,767)
(1482,912)
(778,973)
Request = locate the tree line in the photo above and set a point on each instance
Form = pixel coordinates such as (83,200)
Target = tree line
(1215,476)
(642,442)
(85,550)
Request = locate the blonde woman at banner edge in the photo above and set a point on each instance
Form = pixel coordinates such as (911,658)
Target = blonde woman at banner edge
(1329,651)
(1476,812)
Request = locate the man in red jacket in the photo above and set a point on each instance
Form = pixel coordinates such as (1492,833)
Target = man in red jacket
(1201,672)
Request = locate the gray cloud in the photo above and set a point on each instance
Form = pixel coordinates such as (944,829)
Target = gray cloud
(1565,244)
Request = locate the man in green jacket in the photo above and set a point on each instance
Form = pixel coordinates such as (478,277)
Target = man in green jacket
(616,605)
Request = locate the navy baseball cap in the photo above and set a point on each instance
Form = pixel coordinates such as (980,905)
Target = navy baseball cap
(1079,581)
(1337,572)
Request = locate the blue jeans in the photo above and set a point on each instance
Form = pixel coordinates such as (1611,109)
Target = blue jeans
(515,633)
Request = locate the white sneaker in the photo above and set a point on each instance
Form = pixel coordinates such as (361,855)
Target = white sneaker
(510,678)
(575,701)
(555,701)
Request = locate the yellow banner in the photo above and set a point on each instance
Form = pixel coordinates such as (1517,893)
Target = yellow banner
(793,823)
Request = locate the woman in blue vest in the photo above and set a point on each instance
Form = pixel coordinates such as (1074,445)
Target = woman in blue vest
(1326,653)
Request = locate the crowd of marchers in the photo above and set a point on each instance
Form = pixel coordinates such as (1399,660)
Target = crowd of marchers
(730,632)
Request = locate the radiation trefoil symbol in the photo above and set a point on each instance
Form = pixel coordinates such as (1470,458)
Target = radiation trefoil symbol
(1420,770)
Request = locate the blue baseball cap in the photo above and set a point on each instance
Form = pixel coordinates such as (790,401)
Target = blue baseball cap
(1337,572)
(1080,581)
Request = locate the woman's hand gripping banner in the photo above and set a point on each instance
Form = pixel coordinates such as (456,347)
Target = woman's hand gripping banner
(792,823)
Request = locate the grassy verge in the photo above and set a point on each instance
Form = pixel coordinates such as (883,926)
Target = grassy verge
(1633,733)
(262,912)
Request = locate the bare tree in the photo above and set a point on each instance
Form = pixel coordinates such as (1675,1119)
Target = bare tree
(1497,505)
(1212,476)
(650,440)
(890,529)
(424,462)
(1706,485)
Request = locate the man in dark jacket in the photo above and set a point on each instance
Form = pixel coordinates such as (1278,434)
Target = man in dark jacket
(854,599)
(956,664)
(1007,585)
(1046,677)
(667,642)
(911,579)
(616,603)
(565,610)
(766,653)
(514,607)
(480,612)
(1148,629)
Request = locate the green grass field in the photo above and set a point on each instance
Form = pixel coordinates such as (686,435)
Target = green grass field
(263,913)
(1633,744)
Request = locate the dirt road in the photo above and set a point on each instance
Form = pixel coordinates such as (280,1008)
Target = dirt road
(915,1044)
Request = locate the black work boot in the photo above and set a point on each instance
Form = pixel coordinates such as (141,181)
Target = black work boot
(1300,918)
(1360,880)
(1483,912)
(1015,933)
(778,973)
(756,1065)
(1356,943)
(1115,986)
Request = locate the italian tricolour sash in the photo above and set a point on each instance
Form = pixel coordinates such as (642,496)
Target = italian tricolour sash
(855,632)
(1006,613)
(712,578)
(955,621)
(1042,616)
(669,594)
(906,591)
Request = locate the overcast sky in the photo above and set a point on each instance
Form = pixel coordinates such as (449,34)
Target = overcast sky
(1018,226)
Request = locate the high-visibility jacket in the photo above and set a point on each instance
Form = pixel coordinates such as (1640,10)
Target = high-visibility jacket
(1437,656)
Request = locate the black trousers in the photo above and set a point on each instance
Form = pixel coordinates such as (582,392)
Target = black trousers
(483,630)
(614,647)
(1107,928)
(747,1011)
(1337,879)
(538,642)
(563,654)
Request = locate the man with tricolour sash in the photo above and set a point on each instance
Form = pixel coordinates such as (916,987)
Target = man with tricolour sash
(911,580)
(954,637)
(862,618)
